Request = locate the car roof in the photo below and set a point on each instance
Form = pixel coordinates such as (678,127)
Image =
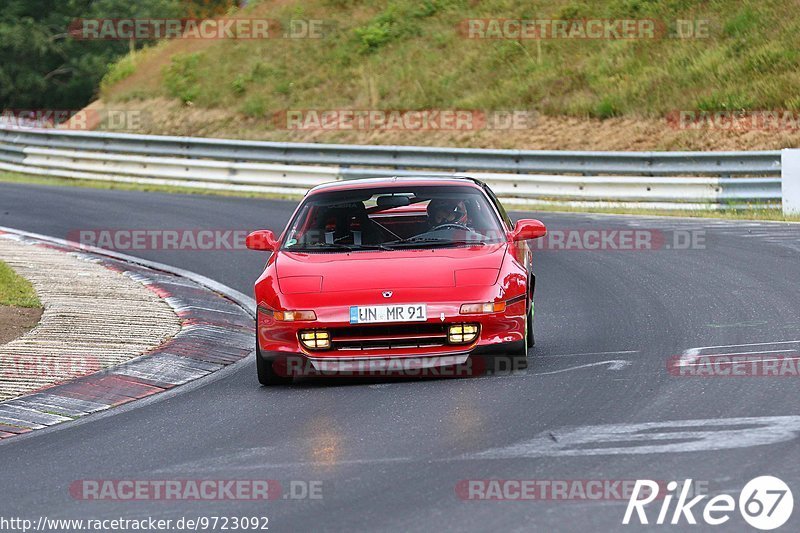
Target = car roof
(371,183)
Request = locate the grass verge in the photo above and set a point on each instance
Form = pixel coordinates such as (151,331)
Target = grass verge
(15,290)
(142,187)
(773,215)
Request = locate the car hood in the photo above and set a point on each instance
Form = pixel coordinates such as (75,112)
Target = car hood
(397,269)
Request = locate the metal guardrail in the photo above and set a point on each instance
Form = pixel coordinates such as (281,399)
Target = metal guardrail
(755,163)
(664,179)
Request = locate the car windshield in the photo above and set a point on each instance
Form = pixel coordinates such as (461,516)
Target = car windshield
(393,218)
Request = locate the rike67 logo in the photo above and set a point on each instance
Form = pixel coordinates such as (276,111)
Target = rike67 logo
(765,503)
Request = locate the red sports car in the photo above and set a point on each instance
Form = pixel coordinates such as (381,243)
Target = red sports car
(394,275)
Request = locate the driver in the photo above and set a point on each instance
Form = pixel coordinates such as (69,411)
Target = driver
(446,211)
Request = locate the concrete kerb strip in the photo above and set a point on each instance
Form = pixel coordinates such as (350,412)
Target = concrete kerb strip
(217,330)
(94,318)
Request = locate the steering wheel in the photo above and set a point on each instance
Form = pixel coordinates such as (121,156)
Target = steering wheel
(451,225)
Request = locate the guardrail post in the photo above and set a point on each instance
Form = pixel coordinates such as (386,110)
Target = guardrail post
(790,181)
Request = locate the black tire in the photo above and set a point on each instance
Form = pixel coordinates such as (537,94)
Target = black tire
(531,341)
(521,357)
(266,374)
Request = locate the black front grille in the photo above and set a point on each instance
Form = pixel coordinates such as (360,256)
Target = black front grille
(389,336)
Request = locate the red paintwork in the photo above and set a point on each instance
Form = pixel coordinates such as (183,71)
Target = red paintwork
(330,283)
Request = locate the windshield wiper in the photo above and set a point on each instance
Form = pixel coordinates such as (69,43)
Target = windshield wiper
(321,247)
(371,247)
(433,241)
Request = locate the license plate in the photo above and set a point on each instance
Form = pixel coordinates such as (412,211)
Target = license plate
(373,314)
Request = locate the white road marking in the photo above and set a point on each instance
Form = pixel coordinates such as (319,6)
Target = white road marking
(672,436)
(745,345)
(692,354)
(746,353)
(591,353)
(679,436)
(614,364)
(734,362)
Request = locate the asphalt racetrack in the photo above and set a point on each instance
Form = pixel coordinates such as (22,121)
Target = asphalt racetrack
(598,402)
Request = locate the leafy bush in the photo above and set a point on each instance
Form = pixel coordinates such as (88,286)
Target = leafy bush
(118,71)
(605,109)
(180,77)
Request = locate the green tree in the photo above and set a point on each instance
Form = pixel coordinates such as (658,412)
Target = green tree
(41,66)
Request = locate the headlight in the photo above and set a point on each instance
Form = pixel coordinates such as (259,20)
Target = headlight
(462,333)
(488,307)
(316,339)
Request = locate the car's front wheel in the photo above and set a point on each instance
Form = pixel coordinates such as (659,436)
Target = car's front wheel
(266,372)
(530,325)
(521,358)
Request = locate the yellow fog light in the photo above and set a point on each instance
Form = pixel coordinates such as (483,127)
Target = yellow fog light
(316,340)
(462,333)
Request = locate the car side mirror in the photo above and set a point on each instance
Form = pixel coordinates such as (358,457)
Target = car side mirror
(263,240)
(528,229)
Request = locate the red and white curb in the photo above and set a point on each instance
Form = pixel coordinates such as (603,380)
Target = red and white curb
(217,330)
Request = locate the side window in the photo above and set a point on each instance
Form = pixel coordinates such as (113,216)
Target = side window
(506,219)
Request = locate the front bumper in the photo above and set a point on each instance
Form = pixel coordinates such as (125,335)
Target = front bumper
(500,341)
(494,359)
(495,328)
(479,360)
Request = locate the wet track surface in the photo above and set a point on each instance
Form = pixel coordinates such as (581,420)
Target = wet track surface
(391,455)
